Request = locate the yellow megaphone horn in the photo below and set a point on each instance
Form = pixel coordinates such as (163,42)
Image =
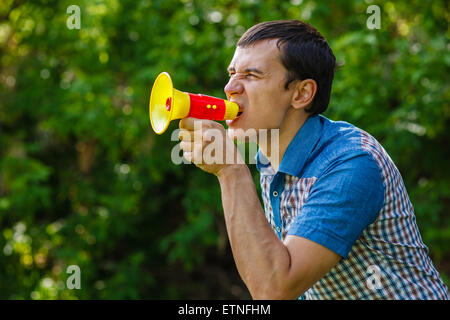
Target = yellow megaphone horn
(167,104)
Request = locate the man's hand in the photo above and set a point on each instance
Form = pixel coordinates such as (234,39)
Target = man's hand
(206,144)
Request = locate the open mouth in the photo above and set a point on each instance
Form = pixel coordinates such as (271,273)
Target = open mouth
(239,114)
(240,111)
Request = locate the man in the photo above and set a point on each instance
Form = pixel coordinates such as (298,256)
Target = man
(338,223)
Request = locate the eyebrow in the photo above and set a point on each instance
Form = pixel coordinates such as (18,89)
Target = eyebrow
(247,70)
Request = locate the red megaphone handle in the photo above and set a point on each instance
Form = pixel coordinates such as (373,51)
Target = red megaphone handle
(206,107)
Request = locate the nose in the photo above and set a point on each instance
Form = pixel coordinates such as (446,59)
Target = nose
(233,87)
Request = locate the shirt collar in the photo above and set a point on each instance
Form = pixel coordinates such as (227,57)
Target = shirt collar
(297,152)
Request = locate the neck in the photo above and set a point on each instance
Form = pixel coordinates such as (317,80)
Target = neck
(274,148)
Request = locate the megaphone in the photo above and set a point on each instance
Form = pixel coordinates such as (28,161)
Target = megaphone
(167,104)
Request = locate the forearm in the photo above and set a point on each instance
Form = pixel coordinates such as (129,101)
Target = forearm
(261,258)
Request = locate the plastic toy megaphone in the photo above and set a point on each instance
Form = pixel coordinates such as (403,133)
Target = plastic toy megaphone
(168,103)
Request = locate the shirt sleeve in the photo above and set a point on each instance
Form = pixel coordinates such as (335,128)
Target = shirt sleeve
(342,203)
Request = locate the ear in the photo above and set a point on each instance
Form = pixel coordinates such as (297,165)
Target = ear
(304,92)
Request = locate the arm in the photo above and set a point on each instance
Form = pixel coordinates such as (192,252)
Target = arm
(270,268)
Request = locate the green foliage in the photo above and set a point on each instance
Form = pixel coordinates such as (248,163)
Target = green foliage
(85,181)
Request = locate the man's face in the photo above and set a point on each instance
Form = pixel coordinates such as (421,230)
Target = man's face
(257,79)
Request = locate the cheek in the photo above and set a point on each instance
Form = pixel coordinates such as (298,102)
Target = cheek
(268,105)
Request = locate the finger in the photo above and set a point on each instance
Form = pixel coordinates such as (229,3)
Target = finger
(188,156)
(214,134)
(186,146)
(209,124)
(197,154)
(188,123)
(185,135)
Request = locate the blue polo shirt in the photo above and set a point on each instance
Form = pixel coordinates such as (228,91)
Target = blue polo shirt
(338,187)
(346,186)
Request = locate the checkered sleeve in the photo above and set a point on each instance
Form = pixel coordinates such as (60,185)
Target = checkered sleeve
(344,200)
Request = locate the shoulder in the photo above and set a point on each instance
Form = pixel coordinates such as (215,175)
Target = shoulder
(344,145)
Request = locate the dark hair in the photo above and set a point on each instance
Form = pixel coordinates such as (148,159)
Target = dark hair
(305,54)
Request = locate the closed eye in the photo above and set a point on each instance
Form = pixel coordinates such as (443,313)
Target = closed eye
(248,75)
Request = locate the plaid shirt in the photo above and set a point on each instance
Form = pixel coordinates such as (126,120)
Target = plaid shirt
(338,187)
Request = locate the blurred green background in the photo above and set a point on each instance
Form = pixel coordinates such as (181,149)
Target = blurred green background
(85,181)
